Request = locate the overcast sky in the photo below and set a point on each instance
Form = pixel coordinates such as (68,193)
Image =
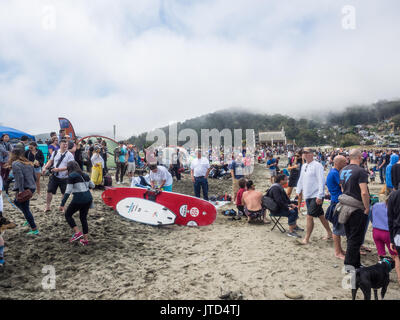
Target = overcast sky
(141,64)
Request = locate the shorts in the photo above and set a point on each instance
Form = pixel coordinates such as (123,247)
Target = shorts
(272,173)
(167,188)
(313,209)
(254,214)
(55,183)
(338,230)
(38,170)
(293,181)
(131,167)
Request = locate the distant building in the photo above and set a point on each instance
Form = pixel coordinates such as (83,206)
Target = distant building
(272,137)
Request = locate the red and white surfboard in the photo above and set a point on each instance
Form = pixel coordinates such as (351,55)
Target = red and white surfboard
(190,211)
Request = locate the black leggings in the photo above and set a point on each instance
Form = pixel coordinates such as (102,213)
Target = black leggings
(83,209)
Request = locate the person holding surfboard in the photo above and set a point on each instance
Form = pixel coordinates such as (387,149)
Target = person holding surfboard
(160,178)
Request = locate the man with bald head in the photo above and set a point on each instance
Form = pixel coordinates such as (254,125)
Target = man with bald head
(333,184)
(354,182)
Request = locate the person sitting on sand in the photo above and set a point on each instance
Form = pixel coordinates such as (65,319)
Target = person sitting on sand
(239,196)
(285,207)
(251,201)
(78,184)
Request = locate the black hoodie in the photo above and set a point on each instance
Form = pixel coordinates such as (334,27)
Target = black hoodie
(394,214)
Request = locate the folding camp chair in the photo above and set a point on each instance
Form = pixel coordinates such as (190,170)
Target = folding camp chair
(275,220)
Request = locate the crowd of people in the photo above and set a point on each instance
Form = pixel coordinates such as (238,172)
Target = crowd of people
(351,208)
(349,172)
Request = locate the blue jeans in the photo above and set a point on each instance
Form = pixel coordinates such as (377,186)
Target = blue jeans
(292,216)
(198,184)
(382,174)
(24,207)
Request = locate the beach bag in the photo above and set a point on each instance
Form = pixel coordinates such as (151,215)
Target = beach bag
(269,203)
(108,181)
(97,175)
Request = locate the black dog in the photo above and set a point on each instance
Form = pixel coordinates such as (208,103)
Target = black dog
(374,277)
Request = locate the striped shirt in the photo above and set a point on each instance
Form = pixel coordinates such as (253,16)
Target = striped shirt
(79,186)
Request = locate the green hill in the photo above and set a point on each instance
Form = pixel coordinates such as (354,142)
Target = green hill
(304,131)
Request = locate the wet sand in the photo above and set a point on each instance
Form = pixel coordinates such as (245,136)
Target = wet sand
(127,260)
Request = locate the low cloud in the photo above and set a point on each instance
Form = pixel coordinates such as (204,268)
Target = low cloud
(143,64)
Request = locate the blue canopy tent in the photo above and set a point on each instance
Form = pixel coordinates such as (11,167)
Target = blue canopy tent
(15,134)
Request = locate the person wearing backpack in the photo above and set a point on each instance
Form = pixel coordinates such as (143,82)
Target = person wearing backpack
(78,185)
(284,207)
(58,167)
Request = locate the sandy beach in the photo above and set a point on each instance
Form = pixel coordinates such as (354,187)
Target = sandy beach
(127,260)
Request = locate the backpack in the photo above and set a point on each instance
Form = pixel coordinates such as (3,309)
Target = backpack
(269,203)
(107,181)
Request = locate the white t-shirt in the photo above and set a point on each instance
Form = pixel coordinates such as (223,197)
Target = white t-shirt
(161,174)
(200,167)
(68,157)
(311,181)
(96,158)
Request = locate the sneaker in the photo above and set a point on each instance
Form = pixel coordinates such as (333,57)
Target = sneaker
(26,223)
(35,232)
(298,229)
(84,242)
(293,234)
(75,237)
(118,182)
(1,262)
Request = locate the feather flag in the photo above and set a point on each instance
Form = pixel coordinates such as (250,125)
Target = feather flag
(69,129)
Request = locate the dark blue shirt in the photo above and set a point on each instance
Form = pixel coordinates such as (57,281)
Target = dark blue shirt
(237,168)
(333,184)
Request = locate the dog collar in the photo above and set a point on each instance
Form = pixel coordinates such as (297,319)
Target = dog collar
(387,261)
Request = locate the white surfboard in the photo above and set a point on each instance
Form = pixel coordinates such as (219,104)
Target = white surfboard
(145,211)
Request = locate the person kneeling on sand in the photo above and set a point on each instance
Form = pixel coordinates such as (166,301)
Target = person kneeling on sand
(251,200)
